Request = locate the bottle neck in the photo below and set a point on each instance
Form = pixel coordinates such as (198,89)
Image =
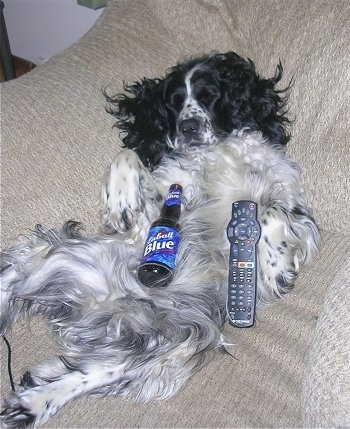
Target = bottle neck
(172,206)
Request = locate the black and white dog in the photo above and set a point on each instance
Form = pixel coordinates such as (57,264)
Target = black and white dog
(217,128)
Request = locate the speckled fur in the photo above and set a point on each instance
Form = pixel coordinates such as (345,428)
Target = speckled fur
(116,335)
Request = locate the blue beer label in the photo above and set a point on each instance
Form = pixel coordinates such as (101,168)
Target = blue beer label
(174,197)
(161,246)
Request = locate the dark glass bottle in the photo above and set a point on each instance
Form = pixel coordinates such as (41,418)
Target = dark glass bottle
(159,253)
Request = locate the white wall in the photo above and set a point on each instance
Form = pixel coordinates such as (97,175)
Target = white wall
(39,29)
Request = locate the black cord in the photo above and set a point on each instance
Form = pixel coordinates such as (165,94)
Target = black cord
(9,356)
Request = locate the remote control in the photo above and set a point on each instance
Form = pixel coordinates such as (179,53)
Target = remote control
(243,232)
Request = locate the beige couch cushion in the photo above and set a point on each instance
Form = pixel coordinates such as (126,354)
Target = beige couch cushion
(57,141)
(326,394)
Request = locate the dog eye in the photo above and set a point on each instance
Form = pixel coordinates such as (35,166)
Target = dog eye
(176,99)
(208,94)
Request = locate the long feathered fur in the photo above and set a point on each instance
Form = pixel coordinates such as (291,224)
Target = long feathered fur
(118,336)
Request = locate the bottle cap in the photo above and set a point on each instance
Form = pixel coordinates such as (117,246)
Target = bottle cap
(176,185)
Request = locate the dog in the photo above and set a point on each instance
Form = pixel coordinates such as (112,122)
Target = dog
(213,125)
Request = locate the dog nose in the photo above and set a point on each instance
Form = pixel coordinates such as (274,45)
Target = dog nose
(189,127)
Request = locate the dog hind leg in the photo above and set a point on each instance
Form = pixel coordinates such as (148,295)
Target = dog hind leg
(41,397)
(37,274)
(16,263)
(288,240)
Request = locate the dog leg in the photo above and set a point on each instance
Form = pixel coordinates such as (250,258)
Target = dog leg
(9,309)
(14,268)
(159,372)
(288,240)
(56,384)
(129,196)
(50,273)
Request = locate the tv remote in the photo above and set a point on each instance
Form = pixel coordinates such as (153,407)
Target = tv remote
(243,232)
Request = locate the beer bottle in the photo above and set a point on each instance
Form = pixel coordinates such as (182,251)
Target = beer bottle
(159,254)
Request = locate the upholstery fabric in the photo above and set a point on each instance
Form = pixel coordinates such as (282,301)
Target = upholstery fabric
(292,369)
(326,395)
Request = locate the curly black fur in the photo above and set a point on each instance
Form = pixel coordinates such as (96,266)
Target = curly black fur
(228,88)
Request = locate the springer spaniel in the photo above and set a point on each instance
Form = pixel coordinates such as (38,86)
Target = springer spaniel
(213,125)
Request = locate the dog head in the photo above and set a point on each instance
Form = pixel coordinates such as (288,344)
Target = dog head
(197,104)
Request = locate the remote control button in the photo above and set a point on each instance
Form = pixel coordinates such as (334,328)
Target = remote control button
(230,232)
(235,251)
(243,231)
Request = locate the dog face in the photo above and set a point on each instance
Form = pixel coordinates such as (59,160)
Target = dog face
(188,99)
(199,103)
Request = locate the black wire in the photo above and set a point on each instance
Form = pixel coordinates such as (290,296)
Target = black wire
(9,356)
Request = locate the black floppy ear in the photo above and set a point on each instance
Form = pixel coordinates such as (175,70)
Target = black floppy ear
(142,118)
(269,106)
(250,101)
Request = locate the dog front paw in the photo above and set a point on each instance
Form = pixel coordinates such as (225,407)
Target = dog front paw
(121,195)
(130,197)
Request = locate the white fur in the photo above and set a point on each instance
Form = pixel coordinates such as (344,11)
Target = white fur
(120,337)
